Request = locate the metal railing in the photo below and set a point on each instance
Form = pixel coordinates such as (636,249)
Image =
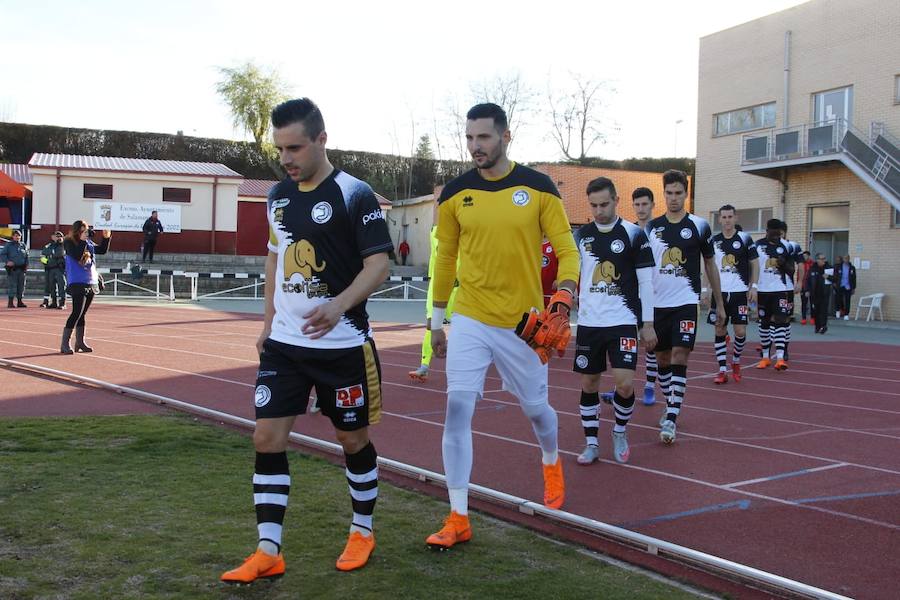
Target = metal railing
(876,152)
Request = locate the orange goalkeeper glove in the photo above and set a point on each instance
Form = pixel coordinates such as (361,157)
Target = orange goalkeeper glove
(545,332)
(561,301)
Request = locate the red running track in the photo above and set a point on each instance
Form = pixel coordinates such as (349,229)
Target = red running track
(795,473)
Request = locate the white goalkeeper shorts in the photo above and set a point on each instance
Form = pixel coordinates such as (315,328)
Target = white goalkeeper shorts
(471,348)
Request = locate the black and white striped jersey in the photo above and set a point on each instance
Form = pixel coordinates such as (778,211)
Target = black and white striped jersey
(321,238)
(608,288)
(776,265)
(733,256)
(677,250)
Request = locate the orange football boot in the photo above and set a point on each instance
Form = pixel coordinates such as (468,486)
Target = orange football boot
(258,565)
(554,485)
(357,552)
(456,530)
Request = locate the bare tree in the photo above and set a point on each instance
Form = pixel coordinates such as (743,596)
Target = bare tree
(577,117)
(454,127)
(512,93)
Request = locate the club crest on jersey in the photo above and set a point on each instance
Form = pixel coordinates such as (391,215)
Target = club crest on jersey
(686,233)
(581,361)
(280,203)
(521,197)
(736,245)
(545,262)
(262,396)
(779,250)
(349,397)
(627,344)
(617,246)
(321,212)
(549,249)
(687,327)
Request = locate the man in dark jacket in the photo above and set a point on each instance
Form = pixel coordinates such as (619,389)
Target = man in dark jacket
(152,228)
(53,256)
(844,286)
(819,288)
(14,256)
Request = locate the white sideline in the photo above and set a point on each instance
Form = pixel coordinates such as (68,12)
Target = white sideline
(657,547)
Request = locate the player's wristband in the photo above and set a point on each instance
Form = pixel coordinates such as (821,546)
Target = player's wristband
(754,287)
(437,318)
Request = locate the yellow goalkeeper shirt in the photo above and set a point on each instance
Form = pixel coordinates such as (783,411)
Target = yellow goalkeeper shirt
(496,228)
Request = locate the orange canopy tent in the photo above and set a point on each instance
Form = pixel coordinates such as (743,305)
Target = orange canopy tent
(9,188)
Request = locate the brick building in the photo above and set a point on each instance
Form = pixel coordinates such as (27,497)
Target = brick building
(799,118)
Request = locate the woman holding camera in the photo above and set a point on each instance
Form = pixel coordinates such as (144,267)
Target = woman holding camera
(84,281)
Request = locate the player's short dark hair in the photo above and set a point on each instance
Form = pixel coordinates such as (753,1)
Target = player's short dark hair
(806,252)
(489,110)
(728,207)
(783,226)
(299,110)
(737,227)
(773,224)
(642,192)
(675,176)
(600,184)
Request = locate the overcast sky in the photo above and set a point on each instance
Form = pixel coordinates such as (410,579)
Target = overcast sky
(382,72)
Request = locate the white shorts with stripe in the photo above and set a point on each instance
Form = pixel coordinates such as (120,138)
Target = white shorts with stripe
(471,348)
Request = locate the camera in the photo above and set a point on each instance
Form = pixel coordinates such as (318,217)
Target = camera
(90,232)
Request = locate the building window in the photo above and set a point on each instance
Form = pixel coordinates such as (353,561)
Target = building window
(98,191)
(752,220)
(833,104)
(896,89)
(896,219)
(176,194)
(745,119)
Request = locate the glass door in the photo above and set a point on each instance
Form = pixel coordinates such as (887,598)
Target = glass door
(833,104)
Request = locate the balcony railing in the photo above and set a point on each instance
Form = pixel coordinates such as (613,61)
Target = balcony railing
(878,153)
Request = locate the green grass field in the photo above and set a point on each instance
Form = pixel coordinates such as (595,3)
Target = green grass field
(159,506)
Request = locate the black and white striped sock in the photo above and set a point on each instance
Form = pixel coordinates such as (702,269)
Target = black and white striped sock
(736,350)
(271,487)
(362,476)
(590,416)
(679,383)
(652,367)
(765,338)
(623,407)
(665,381)
(778,335)
(721,353)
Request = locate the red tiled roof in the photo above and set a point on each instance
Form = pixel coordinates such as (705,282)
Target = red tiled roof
(131,165)
(572,181)
(255,188)
(18,173)
(259,188)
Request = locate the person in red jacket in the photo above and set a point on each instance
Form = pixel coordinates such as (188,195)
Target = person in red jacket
(404,252)
(549,267)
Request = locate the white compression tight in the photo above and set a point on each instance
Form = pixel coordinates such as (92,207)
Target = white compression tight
(457,439)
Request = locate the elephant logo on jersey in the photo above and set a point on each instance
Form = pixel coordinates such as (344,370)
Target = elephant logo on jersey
(605,272)
(772,264)
(300,257)
(673,257)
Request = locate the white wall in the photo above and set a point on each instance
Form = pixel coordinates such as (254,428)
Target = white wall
(128,187)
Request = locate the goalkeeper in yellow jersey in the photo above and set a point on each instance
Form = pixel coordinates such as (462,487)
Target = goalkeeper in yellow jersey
(492,221)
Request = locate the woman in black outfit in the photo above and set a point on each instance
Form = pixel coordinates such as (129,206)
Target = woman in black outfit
(84,281)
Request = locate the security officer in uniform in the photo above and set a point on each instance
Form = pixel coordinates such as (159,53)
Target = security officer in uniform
(14,256)
(53,257)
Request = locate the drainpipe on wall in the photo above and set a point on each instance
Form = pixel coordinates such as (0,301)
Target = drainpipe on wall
(212,240)
(787,110)
(58,177)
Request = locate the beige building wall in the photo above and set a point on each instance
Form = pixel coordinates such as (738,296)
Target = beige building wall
(418,217)
(834,44)
(127,187)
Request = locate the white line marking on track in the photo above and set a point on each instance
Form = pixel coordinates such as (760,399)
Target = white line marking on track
(778,476)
